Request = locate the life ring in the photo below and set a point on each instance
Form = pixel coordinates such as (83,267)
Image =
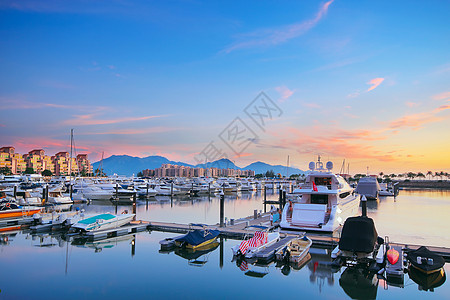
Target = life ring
(8,204)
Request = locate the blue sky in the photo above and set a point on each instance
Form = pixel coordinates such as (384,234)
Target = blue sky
(364,81)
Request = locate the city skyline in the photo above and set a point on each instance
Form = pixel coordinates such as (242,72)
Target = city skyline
(347,80)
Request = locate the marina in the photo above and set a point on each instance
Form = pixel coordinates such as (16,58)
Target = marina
(153,225)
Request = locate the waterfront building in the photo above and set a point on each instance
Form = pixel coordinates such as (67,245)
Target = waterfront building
(83,163)
(38,161)
(170,170)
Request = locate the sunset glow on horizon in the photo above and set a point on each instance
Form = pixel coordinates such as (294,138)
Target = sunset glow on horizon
(364,82)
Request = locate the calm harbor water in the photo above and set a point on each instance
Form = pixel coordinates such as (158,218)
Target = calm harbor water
(47,267)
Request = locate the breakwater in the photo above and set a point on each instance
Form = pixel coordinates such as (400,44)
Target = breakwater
(427,184)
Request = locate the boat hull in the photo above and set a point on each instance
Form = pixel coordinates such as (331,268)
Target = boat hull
(14,213)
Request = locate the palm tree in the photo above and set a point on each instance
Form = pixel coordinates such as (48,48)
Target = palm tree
(420,175)
(437,174)
(429,173)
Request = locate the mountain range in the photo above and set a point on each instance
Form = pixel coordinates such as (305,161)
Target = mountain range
(129,165)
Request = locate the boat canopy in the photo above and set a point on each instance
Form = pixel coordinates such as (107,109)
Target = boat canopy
(95,218)
(422,263)
(358,235)
(198,236)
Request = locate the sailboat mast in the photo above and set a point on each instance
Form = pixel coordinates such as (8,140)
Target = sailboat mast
(287,168)
(70,161)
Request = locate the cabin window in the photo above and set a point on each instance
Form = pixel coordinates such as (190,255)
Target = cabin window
(319,199)
(322,181)
(343,195)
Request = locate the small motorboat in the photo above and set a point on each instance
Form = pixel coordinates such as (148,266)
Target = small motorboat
(360,244)
(10,209)
(259,241)
(102,222)
(295,251)
(425,260)
(197,238)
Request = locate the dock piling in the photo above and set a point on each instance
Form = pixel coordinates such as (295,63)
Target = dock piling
(117,191)
(15,192)
(364,205)
(71,191)
(222,203)
(134,206)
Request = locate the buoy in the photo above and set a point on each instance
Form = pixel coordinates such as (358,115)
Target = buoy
(392,256)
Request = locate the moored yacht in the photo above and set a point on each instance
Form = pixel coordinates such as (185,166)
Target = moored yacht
(326,201)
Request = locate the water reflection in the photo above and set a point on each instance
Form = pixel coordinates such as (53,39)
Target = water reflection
(320,269)
(359,283)
(99,245)
(427,282)
(197,257)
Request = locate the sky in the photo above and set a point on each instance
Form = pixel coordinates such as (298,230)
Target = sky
(361,81)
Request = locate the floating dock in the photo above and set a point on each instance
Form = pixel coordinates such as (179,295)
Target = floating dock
(238,230)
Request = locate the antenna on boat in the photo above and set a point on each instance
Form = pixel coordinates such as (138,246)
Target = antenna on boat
(319,164)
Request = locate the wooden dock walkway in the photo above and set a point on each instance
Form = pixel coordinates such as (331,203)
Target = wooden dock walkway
(241,229)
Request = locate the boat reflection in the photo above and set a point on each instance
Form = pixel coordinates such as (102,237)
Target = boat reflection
(99,245)
(195,257)
(427,282)
(251,269)
(320,268)
(359,283)
(287,267)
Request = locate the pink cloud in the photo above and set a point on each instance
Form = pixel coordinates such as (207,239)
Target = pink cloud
(331,142)
(134,131)
(375,83)
(411,104)
(88,119)
(311,105)
(442,96)
(415,121)
(284,92)
(271,37)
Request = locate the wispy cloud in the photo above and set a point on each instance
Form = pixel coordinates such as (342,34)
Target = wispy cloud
(331,142)
(8,104)
(284,92)
(270,37)
(90,119)
(375,83)
(442,96)
(157,129)
(416,121)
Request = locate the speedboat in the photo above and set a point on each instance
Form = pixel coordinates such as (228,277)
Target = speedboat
(385,190)
(10,209)
(295,251)
(425,260)
(260,240)
(55,196)
(326,201)
(197,238)
(369,187)
(102,222)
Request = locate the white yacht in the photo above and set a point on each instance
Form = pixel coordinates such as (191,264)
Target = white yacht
(326,201)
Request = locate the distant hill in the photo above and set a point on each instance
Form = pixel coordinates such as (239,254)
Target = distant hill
(129,165)
(261,168)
